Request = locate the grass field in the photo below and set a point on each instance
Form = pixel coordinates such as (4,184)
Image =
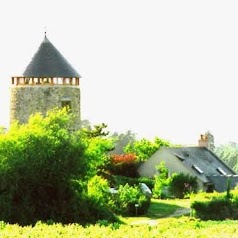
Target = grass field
(160,209)
(162,220)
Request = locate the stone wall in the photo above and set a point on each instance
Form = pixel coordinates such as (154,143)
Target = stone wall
(27,100)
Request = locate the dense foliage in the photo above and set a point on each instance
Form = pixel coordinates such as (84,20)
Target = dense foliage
(162,181)
(229,154)
(144,148)
(50,172)
(177,185)
(216,206)
(129,201)
(124,165)
(44,169)
(182,184)
(167,228)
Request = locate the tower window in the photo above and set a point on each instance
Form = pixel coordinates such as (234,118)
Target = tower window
(66,104)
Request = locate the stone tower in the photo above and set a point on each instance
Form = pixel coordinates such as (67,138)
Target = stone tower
(49,81)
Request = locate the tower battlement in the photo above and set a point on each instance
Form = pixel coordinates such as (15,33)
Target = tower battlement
(44,81)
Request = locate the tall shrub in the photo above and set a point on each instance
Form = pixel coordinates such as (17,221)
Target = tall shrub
(182,184)
(98,190)
(216,207)
(43,168)
(124,165)
(162,182)
(129,200)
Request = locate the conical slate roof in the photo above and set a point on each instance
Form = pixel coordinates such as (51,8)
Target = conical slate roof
(49,62)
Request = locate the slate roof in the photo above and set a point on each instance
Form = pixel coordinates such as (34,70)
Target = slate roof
(220,182)
(203,158)
(49,62)
(206,165)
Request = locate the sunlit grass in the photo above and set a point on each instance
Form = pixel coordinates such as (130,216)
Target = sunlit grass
(163,208)
(157,210)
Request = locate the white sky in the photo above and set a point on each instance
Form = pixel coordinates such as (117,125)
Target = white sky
(157,68)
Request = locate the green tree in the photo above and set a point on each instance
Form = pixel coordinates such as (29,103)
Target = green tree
(229,154)
(44,169)
(96,131)
(144,148)
(162,181)
(98,145)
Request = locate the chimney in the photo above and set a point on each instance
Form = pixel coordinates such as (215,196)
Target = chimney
(203,142)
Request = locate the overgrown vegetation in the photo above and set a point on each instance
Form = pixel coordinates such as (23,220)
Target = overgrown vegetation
(162,181)
(177,185)
(216,206)
(143,149)
(229,154)
(168,228)
(182,185)
(123,165)
(154,225)
(129,201)
(50,172)
(44,169)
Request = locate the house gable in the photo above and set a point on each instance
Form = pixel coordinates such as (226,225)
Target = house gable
(196,161)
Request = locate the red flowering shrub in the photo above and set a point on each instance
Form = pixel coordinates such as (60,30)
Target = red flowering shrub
(125,158)
(125,165)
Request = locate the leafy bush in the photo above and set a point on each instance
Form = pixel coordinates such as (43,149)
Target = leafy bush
(127,198)
(178,185)
(182,184)
(203,196)
(43,168)
(117,180)
(37,162)
(162,182)
(144,148)
(217,208)
(98,188)
(161,188)
(124,165)
(169,228)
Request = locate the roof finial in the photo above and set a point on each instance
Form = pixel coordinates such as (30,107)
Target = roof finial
(45,31)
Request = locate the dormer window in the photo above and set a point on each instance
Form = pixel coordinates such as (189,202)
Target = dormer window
(195,167)
(221,171)
(179,157)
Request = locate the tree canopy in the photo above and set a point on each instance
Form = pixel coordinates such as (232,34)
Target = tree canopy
(229,154)
(144,148)
(44,169)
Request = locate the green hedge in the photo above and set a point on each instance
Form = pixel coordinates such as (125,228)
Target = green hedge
(216,207)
